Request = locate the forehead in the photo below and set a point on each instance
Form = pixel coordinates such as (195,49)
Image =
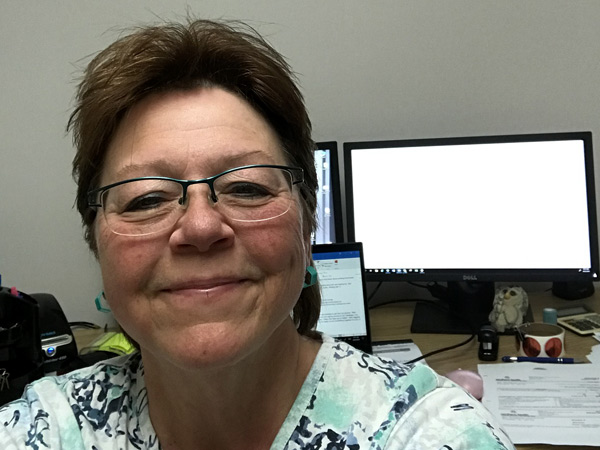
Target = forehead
(190,133)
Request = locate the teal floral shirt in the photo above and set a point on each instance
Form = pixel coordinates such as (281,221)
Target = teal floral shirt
(350,400)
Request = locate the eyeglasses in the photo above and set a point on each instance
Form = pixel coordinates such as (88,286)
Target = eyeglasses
(147,205)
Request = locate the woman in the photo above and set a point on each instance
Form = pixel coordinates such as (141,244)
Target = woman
(196,185)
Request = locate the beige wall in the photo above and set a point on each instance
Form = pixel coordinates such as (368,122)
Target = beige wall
(369,70)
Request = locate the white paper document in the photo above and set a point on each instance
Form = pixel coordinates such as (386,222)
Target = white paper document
(545,403)
(400,350)
(594,355)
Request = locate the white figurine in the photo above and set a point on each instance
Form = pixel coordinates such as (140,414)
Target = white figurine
(510,306)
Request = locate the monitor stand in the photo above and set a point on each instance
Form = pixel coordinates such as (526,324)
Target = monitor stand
(464,311)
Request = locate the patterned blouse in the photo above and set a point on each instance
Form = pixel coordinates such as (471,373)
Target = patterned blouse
(349,400)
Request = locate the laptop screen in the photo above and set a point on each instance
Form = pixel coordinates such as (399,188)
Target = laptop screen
(344,311)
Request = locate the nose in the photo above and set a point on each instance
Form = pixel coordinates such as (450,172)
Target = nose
(201,225)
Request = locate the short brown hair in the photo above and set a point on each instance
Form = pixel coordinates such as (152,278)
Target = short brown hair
(177,56)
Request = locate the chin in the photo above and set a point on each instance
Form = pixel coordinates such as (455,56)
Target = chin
(205,349)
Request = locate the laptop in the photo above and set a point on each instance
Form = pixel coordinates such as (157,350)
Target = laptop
(344,309)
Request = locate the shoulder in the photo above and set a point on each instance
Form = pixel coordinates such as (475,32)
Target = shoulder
(379,403)
(88,384)
(448,417)
(351,396)
(75,406)
(387,378)
(120,370)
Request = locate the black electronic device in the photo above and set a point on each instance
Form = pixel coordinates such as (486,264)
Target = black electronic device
(573,290)
(488,343)
(58,344)
(344,307)
(329,203)
(472,211)
(20,346)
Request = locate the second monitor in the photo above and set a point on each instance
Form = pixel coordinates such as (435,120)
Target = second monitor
(474,210)
(329,204)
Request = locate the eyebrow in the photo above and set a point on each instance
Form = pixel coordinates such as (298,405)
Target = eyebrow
(167,167)
(132,170)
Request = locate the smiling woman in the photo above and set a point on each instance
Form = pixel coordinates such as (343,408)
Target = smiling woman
(196,185)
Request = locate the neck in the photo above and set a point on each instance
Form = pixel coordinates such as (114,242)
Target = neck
(239,406)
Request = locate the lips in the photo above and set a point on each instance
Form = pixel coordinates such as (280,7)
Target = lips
(200,284)
(204,285)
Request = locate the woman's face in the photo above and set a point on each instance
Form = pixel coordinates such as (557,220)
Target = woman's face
(209,291)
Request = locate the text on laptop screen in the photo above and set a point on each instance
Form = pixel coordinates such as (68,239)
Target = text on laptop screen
(342,295)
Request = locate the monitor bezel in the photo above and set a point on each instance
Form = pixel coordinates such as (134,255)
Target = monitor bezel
(492,274)
(332,147)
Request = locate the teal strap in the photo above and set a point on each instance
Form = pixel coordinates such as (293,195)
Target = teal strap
(99,304)
(311,276)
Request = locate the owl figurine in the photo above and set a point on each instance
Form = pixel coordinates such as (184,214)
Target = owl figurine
(510,306)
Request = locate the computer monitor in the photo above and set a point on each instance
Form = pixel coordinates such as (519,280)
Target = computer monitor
(472,211)
(329,203)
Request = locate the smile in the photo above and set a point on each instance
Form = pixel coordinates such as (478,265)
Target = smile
(204,288)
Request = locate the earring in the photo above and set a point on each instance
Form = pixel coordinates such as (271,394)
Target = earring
(99,303)
(310,278)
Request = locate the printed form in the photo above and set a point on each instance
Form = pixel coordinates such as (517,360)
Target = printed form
(545,403)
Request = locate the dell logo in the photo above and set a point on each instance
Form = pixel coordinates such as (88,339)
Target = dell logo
(469,277)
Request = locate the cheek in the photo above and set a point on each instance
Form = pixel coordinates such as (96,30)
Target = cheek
(280,248)
(124,263)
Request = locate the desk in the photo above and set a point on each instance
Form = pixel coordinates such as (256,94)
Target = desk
(393,322)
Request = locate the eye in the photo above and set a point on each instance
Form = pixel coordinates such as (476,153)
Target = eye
(245,190)
(149,201)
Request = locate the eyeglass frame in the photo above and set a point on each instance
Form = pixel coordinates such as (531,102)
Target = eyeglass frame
(93,195)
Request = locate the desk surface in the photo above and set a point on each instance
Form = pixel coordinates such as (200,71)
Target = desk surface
(392,322)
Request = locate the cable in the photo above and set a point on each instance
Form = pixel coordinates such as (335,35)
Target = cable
(399,300)
(370,297)
(441,293)
(84,325)
(440,350)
